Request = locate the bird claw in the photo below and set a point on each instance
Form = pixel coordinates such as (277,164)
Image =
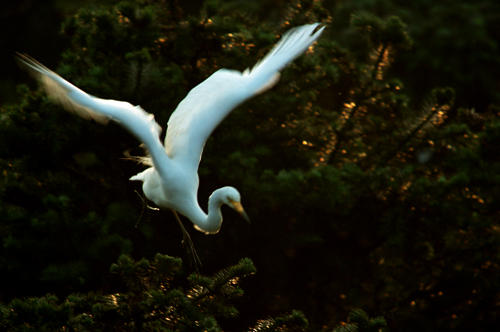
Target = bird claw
(194,260)
(145,209)
(187,243)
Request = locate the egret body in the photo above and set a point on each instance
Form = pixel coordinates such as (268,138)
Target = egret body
(172,180)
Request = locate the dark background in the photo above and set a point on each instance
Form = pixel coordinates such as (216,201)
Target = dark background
(374,227)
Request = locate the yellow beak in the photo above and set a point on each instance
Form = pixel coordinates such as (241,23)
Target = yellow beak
(239,208)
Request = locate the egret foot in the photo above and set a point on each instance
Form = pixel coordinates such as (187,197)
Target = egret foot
(145,209)
(194,260)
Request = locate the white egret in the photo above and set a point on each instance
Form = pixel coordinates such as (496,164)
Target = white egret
(172,180)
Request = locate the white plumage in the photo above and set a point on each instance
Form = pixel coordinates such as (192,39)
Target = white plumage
(172,181)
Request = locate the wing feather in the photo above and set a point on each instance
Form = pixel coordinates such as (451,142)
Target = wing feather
(206,106)
(140,123)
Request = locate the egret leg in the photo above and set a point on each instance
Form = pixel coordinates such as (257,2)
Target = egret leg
(145,209)
(188,245)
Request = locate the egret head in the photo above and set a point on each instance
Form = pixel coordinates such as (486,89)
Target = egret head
(232,198)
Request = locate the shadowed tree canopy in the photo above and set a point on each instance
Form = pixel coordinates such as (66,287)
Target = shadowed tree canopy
(370,183)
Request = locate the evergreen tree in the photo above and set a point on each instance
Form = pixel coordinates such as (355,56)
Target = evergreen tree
(152,303)
(360,195)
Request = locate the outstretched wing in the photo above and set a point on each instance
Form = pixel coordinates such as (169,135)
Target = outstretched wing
(140,123)
(211,101)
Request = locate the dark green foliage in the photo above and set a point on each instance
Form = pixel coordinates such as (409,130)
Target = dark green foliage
(386,33)
(455,43)
(360,322)
(295,322)
(366,189)
(150,302)
(35,314)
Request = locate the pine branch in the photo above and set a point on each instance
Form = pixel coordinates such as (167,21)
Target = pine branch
(133,273)
(359,321)
(341,134)
(294,322)
(378,63)
(425,121)
(226,278)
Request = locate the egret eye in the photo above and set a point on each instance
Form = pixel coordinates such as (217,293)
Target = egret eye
(229,199)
